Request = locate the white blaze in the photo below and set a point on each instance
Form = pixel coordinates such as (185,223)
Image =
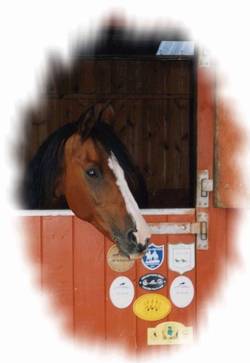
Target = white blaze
(143,232)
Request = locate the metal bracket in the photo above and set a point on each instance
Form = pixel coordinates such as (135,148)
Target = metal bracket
(204,186)
(204,58)
(202,236)
(199,228)
(174,228)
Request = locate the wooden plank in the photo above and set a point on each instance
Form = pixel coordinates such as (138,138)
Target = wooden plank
(158,71)
(120,124)
(57,267)
(156,140)
(232,188)
(136,80)
(135,110)
(86,77)
(119,77)
(211,263)
(205,120)
(233,218)
(32,228)
(129,96)
(103,77)
(148,79)
(170,144)
(178,143)
(177,77)
(132,69)
(131,126)
(145,144)
(89,282)
(184,140)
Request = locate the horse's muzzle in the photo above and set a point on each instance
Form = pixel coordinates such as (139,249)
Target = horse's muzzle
(130,247)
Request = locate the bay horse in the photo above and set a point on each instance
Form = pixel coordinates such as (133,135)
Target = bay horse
(85,167)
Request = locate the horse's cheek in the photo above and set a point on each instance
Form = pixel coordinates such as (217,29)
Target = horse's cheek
(76,195)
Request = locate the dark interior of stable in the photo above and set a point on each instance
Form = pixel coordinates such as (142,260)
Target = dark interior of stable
(153,97)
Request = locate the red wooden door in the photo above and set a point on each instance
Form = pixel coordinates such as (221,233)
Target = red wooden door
(72,266)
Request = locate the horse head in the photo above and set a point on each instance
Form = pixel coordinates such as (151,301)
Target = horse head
(94,184)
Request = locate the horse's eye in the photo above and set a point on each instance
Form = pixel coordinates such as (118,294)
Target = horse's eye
(92,172)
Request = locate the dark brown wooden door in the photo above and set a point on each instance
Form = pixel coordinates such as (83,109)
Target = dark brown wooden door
(153,101)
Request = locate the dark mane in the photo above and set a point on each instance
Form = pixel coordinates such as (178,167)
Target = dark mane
(37,191)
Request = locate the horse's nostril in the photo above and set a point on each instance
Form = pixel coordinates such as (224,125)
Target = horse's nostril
(140,247)
(131,236)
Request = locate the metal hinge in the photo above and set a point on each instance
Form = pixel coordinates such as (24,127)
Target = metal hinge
(204,58)
(199,228)
(202,236)
(204,186)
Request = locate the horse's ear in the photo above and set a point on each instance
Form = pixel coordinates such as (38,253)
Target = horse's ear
(96,113)
(86,122)
(107,113)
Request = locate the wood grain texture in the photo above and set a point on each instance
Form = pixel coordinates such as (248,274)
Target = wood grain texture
(71,256)
(89,282)
(231,185)
(211,263)
(33,236)
(151,100)
(57,267)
